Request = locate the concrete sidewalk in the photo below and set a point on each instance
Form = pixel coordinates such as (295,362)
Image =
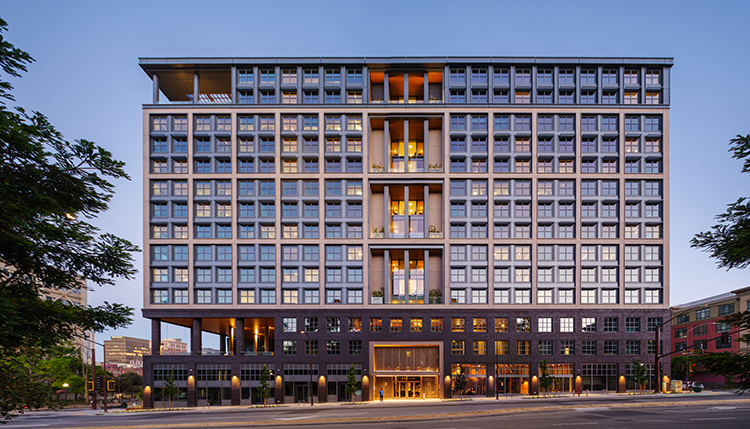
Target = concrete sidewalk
(505,398)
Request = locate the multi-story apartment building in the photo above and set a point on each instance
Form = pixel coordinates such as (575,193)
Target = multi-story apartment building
(415,217)
(699,327)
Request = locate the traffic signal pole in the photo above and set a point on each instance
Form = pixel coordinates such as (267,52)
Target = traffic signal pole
(104,350)
(93,373)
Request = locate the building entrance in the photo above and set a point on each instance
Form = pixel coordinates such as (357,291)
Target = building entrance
(407,387)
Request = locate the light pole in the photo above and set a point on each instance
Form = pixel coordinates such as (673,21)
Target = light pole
(309,353)
(65,391)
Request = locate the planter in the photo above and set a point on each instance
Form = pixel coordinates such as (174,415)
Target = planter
(436,300)
(377,235)
(436,235)
(435,170)
(376,300)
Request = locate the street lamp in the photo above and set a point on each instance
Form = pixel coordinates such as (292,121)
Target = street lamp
(309,353)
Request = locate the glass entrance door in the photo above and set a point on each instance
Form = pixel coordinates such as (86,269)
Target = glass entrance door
(408,387)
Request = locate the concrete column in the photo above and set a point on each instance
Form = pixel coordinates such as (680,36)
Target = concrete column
(387,211)
(426,90)
(387,145)
(426,156)
(155,80)
(387,288)
(196,340)
(239,337)
(155,336)
(196,88)
(427,276)
(365,85)
(407,219)
(406,90)
(233,94)
(406,146)
(386,89)
(406,276)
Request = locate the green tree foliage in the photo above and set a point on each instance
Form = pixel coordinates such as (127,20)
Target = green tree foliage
(169,389)
(728,242)
(735,368)
(545,380)
(640,373)
(129,383)
(351,382)
(50,189)
(264,390)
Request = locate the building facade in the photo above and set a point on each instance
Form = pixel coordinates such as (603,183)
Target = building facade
(126,350)
(699,327)
(414,217)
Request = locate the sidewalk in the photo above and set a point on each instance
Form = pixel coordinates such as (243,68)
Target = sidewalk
(389,403)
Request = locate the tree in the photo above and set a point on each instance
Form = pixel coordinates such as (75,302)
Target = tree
(460,383)
(640,373)
(729,240)
(264,390)
(351,382)
(129,382)
(169,389)
(729,243)
(545,380)
(50,189)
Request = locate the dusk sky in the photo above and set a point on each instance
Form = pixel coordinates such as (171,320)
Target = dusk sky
(86,79)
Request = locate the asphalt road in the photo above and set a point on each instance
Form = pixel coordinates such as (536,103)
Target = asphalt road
(725,411)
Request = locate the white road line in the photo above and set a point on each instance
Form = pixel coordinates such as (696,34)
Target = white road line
(715,418)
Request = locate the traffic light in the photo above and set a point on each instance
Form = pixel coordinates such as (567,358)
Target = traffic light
(90,386)
(110,385)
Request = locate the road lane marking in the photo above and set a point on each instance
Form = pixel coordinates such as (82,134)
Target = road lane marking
(592,409)
(715,418)
(575,424)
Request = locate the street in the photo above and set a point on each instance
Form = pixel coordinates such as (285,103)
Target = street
(725,410)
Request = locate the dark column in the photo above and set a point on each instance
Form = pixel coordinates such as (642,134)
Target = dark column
(239,336)
(621,388)
(155,96)
(236,391)
(534,385)
(196,88)
(222,344)
(447,394)
(365,386)
(155,336)
(322,390)
(278,391)
(192,394)
(196,341)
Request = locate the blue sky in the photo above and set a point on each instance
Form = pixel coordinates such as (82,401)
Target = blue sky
(86,79)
